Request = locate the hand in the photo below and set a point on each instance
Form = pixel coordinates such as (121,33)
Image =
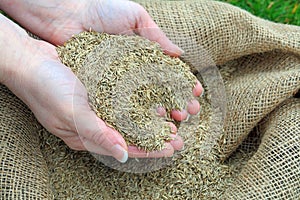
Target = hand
(55,95)
(57,20)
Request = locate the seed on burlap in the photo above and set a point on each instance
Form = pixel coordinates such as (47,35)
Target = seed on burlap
(127,78)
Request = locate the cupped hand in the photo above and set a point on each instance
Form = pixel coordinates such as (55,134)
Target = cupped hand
(60,103)
(59,100)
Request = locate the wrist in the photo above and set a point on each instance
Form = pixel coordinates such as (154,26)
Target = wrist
(12,41)
(20,54)
(45,19)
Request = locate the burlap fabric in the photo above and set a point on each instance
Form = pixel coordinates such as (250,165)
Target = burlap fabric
(273,171)
(260,63)
(24,172)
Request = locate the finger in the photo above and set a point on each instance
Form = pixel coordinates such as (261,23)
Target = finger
(95,148)
(82,144)
(193,107)
(93,130)
(148,28)
(179,115)
(177,142)
(134,152)
(161,111)
(198,89)
(173,127)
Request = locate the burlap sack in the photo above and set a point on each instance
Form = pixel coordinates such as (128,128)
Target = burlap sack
(273,172)
(260,63)
(228,33)
(24,172)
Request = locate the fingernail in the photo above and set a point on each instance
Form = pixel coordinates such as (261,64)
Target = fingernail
(181,51)
(193,107)
(119,153)
(197,89)
(176,50)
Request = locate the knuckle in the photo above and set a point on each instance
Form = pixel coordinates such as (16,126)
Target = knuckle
(97,136)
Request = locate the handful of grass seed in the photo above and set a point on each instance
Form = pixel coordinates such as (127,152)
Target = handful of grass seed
(127,78)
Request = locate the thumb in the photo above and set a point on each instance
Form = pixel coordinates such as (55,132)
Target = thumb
(98,138)
(147,28)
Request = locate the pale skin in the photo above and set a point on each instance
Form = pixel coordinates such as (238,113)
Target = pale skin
(32,70)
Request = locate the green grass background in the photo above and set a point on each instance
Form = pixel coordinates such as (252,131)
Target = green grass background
(283,11)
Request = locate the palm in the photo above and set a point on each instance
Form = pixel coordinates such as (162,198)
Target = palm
(114,17)
(57,98)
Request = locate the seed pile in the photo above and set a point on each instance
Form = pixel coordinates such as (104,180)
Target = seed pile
(127,78)
(78,175)
(193,173)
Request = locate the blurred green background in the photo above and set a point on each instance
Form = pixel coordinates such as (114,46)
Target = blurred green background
(283,11)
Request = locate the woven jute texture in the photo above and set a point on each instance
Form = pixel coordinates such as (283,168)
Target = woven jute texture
(24,173)
(273,172)
(256,157)
(228,33)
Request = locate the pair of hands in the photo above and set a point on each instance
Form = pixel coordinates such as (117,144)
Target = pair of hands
(53,93)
